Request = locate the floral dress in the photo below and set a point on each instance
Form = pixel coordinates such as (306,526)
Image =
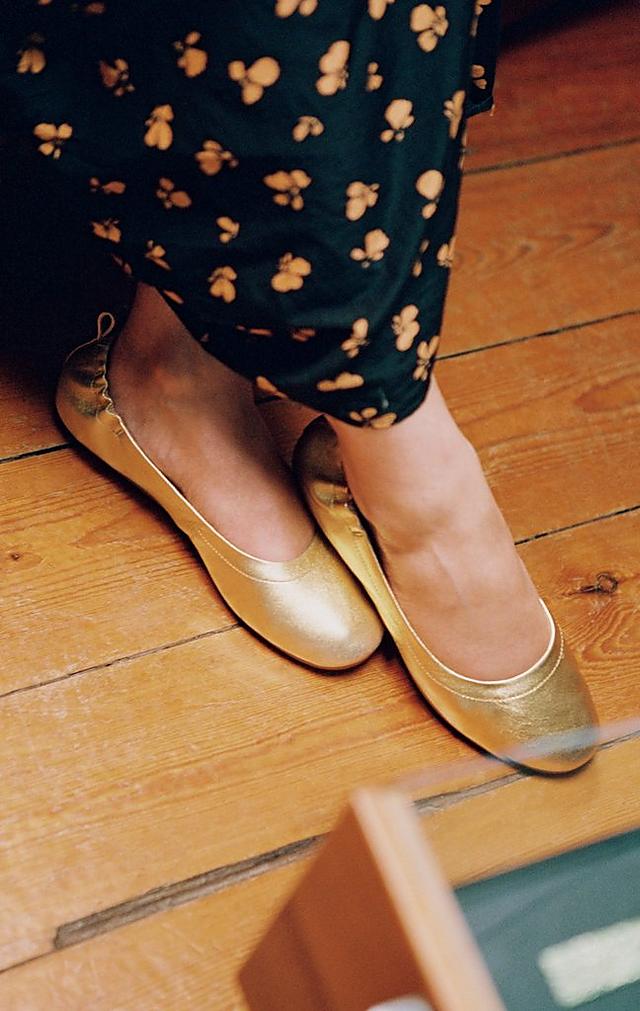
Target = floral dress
(285,172)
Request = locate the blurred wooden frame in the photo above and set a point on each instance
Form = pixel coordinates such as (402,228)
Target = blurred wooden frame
(374,917)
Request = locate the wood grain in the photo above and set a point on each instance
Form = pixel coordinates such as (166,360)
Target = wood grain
(91,571)
(188,957)
(566,81)
(223,743)
(545,246)
(553,815)
(164,759)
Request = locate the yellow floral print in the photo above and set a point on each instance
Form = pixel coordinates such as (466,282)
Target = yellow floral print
(170,196)
(430,185)
(375,243)
(254,79)
(477,75)
(416,270)
(333,65)
(116,77)
(374,78)
(349,76)
(430,23)
(478,9)
(267,386)
(360,196)
(406,327)
(292,271)
(156,254)
(285,8)
(213,156)
(159,134)
(256,331)
(116,186)
(445,253)
(192,59)
(307,126)
(107,229)
(230,228)
(358,339)
(377,8)
(289,186)
(426,351)
(398,115)
(343,381)
(222,283)
(453,110)
(53,137)
(32,59)
(368,417)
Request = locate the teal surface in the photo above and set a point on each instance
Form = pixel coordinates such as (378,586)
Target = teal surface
(517,915)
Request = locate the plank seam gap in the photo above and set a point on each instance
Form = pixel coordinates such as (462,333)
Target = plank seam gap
(122,659)
(167,896)
(541,333)
(581,523)
(556,156)
(35,452)
(191,889)
(220,878)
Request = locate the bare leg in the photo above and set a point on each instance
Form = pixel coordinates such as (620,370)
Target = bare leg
(197,421)
(445,545)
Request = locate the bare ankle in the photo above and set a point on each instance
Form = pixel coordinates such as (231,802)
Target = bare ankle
(421,497)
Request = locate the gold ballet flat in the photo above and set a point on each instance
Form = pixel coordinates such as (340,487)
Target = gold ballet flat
(310,608)
(543,718)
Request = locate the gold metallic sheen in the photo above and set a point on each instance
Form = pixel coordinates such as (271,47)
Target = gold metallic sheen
(310,608)
(543,718)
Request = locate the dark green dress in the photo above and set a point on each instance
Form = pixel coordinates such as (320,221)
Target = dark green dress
(285,172)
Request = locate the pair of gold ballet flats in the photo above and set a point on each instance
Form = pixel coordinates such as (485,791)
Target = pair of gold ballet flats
(313,608)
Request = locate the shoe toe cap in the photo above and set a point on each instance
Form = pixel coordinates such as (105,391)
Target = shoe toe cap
(328,623)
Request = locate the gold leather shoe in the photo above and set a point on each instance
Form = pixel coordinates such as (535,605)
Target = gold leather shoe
(311,607)
(542,718)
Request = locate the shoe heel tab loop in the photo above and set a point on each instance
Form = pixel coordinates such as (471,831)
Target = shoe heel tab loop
(105,324)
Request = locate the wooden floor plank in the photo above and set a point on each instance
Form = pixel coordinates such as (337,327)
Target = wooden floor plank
(182,960)
(556,421)
(570,83)
(25,410)
(188,957)
(92,571)
(225,744)
(553,815)
(142,772)
(545,246)
(155,769)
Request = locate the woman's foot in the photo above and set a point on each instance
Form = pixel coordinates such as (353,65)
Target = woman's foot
(197,421)
(445,546)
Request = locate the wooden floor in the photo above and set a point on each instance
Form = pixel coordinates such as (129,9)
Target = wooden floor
(165,775)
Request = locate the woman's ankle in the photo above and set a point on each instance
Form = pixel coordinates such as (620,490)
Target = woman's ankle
(405,494)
